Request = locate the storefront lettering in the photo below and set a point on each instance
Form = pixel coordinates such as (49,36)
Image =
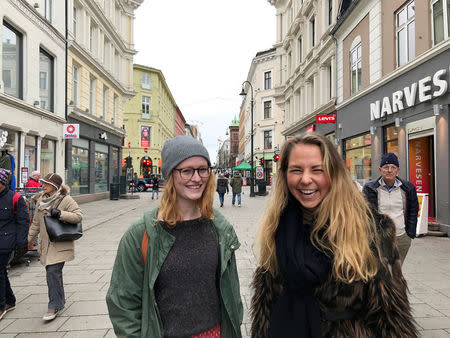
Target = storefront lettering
(422,88)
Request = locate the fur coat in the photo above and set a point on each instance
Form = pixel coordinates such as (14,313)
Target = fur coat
(380,307)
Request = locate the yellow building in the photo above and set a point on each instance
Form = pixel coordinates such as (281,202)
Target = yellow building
(149,120)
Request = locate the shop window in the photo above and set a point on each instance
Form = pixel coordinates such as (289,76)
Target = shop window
(355,67)
(48,154)
(331,137)
(440,13)
(391,139)
(12,61)
(115,162)
(80,167)
(101,168)
(358,158)
(405,34)
(30,154)
(11,146)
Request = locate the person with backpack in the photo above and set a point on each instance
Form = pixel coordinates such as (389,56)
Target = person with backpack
(183,282)
(14,221)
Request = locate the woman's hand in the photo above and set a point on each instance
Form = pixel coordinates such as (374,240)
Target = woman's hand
(55,213)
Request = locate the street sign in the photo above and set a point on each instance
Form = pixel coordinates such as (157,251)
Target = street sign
(259,173)
(71,130)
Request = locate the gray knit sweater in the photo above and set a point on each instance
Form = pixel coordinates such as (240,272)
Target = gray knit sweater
(186,289)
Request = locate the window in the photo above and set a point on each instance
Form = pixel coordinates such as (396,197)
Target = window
(92,90)
(12,61)
(116,63)
(30,153)
(355,66)
(106,55)
(93,38)
(268,80)
(48,155)
(330,12)
(74,23)
(46,80)
(358,157)
(267,106)
(145,107)
(48,10)
(405,34)
(75,84)
(312,25)
(80,167)
(101,168)
(300,50)
(391,140)
(117,18)
(105,102)
(115,103)
(145,83)
(107,8)
(441,20)
(267,139)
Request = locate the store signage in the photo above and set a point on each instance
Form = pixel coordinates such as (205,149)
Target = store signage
(328,118)
(24,175)
(312,127)
(406,98)
(71,130)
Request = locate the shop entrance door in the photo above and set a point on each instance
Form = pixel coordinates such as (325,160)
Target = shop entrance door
(421,168)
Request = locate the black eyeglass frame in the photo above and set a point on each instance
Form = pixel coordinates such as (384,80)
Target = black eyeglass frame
(193,172)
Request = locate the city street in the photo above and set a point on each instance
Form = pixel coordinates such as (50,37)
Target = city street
(86,279)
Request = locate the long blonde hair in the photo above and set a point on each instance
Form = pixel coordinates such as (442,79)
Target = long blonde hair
(344,215)
(168,211)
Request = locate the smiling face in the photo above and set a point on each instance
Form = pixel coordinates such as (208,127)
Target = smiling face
(190,189)
(306,178)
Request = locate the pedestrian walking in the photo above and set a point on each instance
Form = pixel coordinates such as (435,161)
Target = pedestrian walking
(397,198)
(222,188)
(328,266)
(236,187)
(56,202)
(155,188)
(183,281)
(14,221)
(33,181)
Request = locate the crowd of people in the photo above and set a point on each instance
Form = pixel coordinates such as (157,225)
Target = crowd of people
(330,255)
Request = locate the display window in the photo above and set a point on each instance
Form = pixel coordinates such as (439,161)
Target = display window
(30,155)
(47,157)
(80,167)
(101,168)
(358,158)
(391,140)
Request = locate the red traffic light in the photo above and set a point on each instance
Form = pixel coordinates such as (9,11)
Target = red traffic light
(276,157)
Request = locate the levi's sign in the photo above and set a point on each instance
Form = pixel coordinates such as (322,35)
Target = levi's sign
(330,118)
(406,98)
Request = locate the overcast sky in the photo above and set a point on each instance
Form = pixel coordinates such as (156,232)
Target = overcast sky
(204,49)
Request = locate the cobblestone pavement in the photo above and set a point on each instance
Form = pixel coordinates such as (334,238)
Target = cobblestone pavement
(86,279)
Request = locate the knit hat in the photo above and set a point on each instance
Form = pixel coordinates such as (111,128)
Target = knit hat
(4,175)
(178,149)
(389,158)
(53,179)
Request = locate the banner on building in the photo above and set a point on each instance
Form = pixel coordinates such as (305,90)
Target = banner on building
(71,130)
(145,136)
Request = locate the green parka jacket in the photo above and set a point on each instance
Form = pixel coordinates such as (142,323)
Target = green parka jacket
(131,299)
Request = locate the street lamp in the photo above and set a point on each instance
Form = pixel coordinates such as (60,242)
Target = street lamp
(243,93)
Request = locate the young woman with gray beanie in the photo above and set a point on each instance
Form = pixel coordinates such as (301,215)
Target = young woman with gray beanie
(175,272)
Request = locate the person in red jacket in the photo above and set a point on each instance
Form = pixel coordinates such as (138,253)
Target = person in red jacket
(33,182)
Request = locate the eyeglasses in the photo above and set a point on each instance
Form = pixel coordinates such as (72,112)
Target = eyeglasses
(187,173)
(389,168)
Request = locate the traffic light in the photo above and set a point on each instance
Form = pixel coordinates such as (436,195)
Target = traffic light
(128,161)
(276,157)
(261,161)
(147,162)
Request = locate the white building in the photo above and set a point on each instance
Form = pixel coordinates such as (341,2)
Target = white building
(32,86)
(267,116)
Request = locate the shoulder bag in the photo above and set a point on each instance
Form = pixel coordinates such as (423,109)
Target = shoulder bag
(60,231)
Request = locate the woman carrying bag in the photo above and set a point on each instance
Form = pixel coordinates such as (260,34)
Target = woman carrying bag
(56,202)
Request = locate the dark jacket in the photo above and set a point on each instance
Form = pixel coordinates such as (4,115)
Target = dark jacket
(222,185)
(236,183)
(155,183)
(131,301)
(378,308)
(13,226)
(411,211)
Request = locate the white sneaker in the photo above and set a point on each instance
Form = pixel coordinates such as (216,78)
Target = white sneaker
(51,314)
(239,205)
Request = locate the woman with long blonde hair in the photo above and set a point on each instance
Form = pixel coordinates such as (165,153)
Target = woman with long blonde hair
(328,264)
(175,272)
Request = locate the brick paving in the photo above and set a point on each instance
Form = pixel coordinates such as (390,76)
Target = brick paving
(86,279)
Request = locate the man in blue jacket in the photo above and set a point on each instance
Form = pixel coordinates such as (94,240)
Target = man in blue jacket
(391,195)
(14,222)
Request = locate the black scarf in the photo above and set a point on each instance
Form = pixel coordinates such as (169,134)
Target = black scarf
(303,268)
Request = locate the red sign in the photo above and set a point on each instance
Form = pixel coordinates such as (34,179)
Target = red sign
(419,164)
(312,127)
(330,118)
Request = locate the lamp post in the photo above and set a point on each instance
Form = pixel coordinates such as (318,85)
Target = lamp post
(243,93)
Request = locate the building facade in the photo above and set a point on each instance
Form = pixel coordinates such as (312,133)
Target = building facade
(268,116)
(32,107)
(180,122)
(393,65)
(305,86)
(149,120)
(99,82)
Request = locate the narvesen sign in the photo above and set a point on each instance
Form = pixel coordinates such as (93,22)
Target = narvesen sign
(406,98)
(330,118)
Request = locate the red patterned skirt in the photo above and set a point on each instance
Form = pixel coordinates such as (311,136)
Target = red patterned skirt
(211,333)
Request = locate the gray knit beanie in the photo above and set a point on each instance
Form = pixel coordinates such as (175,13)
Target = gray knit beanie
(178,149)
